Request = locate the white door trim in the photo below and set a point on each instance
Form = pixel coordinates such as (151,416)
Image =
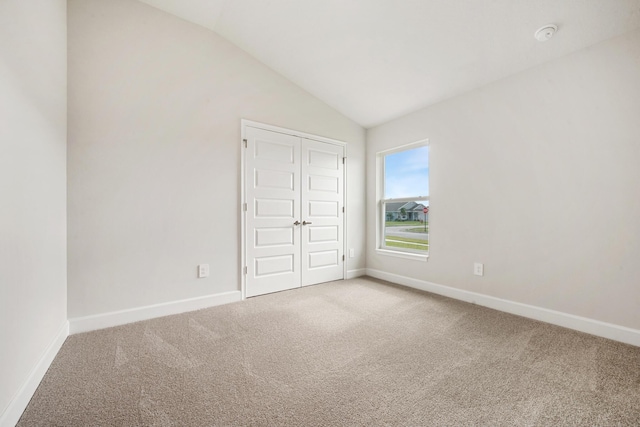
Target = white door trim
(244,124)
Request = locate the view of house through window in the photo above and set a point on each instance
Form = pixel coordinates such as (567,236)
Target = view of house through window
(405,200)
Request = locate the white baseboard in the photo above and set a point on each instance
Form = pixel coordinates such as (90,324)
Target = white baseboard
(116,318)
(19,403)
(582,324)
(352,274)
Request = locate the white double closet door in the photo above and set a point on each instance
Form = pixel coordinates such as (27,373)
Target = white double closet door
(294,221)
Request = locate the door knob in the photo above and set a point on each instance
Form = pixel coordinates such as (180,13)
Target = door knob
(296,223)
(305,223)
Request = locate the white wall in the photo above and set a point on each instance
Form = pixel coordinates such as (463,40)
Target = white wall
(155,105)
(537,176)
(33,122)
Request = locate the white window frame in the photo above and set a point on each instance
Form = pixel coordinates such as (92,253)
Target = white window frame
(381,248)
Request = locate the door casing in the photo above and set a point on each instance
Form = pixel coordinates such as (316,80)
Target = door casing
(244,124)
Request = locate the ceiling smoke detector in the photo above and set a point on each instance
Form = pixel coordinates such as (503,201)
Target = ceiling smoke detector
(545,33)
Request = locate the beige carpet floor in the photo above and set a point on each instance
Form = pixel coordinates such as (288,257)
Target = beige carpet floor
(355,353)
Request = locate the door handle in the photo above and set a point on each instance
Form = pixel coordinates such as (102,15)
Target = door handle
(296,223)
(305,223)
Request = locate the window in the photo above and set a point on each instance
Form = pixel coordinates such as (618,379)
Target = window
(404,199)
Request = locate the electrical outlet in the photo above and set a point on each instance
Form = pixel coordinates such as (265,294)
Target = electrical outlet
(203,270)
(352,253)
(478,269)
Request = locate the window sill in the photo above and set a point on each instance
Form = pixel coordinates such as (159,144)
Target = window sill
(405,255)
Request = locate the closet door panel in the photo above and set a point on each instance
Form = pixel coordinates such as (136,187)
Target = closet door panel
(322,216)
(272,191)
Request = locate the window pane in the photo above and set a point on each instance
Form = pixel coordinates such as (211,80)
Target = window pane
(407,225)
(406,174)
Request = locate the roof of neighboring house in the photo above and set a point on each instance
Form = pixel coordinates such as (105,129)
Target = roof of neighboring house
(393,206)
(408,206)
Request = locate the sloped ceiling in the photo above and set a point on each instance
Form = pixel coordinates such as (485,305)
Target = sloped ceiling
(375,60)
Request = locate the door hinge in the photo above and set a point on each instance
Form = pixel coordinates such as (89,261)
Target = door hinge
(343,257)
(245,270)
(344,160)
(245,143)
(244,207)
(343,209)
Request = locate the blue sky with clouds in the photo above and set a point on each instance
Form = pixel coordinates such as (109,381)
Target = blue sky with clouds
(407,173)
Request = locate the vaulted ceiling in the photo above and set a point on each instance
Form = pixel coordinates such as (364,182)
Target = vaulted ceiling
(375,60)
